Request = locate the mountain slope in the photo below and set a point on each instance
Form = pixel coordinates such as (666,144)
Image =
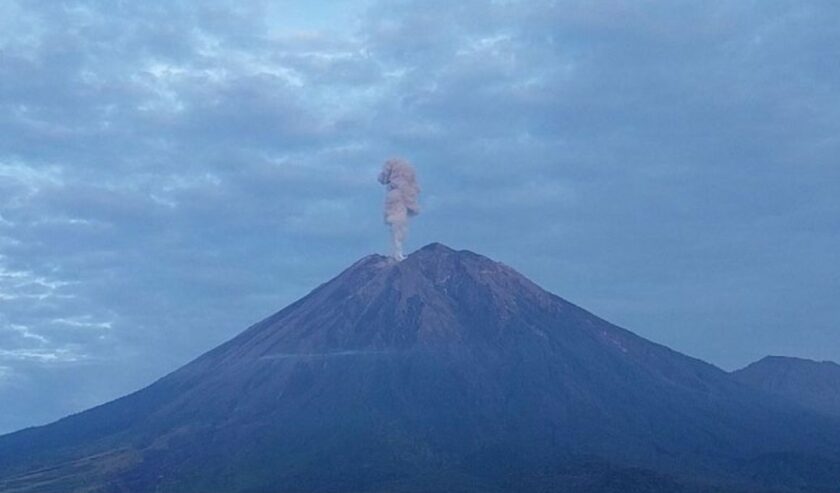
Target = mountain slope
(444,372)
(813,384)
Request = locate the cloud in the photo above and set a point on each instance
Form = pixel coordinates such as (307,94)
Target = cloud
(672,168)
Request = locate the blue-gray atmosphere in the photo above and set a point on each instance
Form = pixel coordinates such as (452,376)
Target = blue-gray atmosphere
(172,172)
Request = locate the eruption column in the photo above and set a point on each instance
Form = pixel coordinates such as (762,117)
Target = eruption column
(401,200)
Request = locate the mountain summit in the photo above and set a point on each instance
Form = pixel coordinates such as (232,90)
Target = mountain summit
(815,384)
(446,371)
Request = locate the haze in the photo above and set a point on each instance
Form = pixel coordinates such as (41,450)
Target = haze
(172,172)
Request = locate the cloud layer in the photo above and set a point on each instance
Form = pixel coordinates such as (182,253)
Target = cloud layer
(171,172)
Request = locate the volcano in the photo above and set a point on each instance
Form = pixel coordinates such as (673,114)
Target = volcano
(446,371)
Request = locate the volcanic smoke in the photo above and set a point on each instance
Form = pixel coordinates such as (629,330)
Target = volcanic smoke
(400,201)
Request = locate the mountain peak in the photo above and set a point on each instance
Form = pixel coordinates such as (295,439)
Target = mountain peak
(789,362)
(444,365)
(814,384)
(435,247)
(439,251)
(435,297)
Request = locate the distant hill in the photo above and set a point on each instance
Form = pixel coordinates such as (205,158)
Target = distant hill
(446,372)
(815,384)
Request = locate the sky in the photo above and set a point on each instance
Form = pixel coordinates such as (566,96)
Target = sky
(172,172)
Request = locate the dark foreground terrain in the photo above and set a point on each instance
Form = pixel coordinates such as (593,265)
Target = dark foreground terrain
(446,372)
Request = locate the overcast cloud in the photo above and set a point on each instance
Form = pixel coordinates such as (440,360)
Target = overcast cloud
(172,171)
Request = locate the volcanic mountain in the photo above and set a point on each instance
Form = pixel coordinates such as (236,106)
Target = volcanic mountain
(446,371)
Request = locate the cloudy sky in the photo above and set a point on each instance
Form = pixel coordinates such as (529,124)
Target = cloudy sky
(172,171)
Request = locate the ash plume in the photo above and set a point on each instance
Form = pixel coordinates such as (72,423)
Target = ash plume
(400,201)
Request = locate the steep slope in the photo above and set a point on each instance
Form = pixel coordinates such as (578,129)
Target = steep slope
(444,372)
(813,384)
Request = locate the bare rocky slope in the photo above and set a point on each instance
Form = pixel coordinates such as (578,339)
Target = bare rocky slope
(444,372)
